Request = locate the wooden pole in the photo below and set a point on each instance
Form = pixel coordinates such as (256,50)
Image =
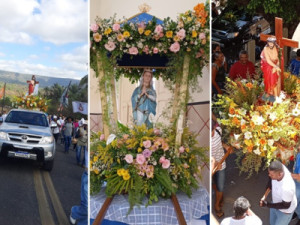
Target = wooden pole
(3,99)
(102,212)
(180,217)
(103,97)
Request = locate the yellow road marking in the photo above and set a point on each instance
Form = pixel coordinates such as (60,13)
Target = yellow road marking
(59,211)
(44,209)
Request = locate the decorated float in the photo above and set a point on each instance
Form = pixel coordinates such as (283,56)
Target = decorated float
(148,159)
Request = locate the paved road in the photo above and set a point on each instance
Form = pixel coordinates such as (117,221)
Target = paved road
(30,195)
(253,189)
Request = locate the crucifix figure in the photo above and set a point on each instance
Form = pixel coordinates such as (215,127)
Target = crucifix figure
(33,85)
(281,42)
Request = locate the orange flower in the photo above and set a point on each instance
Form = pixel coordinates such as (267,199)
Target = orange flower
(236,121)
(252,125)
(243,127)
(249,85)
(231,111)
(250,148)
(262,141)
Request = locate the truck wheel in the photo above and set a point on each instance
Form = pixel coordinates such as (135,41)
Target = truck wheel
(48,165)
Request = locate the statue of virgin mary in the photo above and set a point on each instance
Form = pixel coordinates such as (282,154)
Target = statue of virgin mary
(144,100)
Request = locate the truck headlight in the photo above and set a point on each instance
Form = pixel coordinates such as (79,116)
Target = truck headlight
(47,140)
(3,135)
(232,35)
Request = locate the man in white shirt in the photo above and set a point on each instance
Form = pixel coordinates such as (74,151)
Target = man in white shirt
(284,201)
(243,215)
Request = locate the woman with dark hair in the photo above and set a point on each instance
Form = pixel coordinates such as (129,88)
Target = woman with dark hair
(218,73)
(217,152)
(270,67)
(144,100)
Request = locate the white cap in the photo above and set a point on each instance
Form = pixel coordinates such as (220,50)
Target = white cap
(54,117)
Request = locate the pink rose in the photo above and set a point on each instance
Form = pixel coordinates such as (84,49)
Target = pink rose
(158,29)
(153,148)
(133,51)
(140,159)
(147,144)
(166,164)
(175,47)
(147,153)
(202,36)
(102,137)
(110,46)
(162,159)
(181,149)
(181,34)
(155,50)
(116,27)
(129,158)
(156,131)
(125,136)
(165,146)
(94,27)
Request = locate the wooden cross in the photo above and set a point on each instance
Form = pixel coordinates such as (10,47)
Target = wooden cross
(281,41)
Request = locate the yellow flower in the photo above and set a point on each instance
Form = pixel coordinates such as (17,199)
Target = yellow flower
(293,134)
(107,31)
(120,172)
(126,176)
(126,34)
(96,171)
(273,148)
(147,32)
(189,19)
(141,30)
(95,159)
(124,172)
(118,160)
(248,142)
(194,33)
(187,150)
(169,34)
(140,149)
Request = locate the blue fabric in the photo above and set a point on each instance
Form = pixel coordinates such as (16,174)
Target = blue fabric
(67,143)
(206,217)
(78,154)
(109,222)
(144,105)
(80,212)
(219,179)
(295,67)
(297,164)
(144,17)
(297,210)
(279,218)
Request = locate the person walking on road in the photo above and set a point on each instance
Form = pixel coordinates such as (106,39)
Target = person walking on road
(82,143)
(68,130)
(284,201)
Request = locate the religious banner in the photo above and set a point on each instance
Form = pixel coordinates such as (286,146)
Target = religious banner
(81,107)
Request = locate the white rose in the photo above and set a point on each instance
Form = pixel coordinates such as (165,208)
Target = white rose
(248,135)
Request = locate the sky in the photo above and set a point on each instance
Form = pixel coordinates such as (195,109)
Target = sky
(44,37)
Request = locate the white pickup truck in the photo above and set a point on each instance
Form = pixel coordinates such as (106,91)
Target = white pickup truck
(26,134)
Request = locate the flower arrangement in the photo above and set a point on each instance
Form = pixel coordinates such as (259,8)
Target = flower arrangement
(144,162)
(31,102)
(189,34)
(259,129)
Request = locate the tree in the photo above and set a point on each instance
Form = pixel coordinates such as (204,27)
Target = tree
(286,9)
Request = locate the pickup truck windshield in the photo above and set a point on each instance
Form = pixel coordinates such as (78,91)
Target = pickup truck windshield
(29,118)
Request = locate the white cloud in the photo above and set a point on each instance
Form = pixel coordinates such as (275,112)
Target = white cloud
(56,21)
(23,66)
(76,60)
(33,56)
(2,54)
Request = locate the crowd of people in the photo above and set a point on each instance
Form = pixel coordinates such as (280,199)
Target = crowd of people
(243,68)
(70,132)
